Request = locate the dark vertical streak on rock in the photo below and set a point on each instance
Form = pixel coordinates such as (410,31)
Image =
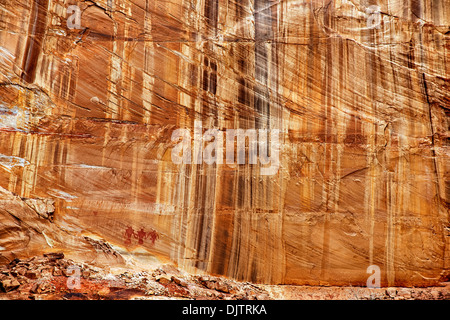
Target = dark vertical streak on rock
(416,10)
(202,225)
(211,14)
(213,78)
(205,82)
(36,33)
(207,175)
(263,35)
(243,91)
(73,81)
(433,151)
(430,115)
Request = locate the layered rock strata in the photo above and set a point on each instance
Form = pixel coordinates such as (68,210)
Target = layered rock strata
(358,89)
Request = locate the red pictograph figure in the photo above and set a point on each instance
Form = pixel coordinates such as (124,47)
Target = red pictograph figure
(141,235)
(129,233)
(153,235)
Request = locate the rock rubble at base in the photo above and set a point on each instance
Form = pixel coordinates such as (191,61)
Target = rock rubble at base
(52,277)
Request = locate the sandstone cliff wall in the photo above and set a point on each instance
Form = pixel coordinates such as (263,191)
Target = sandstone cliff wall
(87,115)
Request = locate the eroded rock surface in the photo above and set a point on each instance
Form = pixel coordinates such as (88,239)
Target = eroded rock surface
(361,100)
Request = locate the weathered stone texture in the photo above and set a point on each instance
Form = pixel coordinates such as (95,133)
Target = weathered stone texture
(87,114)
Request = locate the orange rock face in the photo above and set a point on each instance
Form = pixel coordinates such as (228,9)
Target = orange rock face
(91,95)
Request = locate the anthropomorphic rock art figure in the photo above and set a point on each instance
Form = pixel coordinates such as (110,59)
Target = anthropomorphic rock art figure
(129,233)
(141,235)
(153,235)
